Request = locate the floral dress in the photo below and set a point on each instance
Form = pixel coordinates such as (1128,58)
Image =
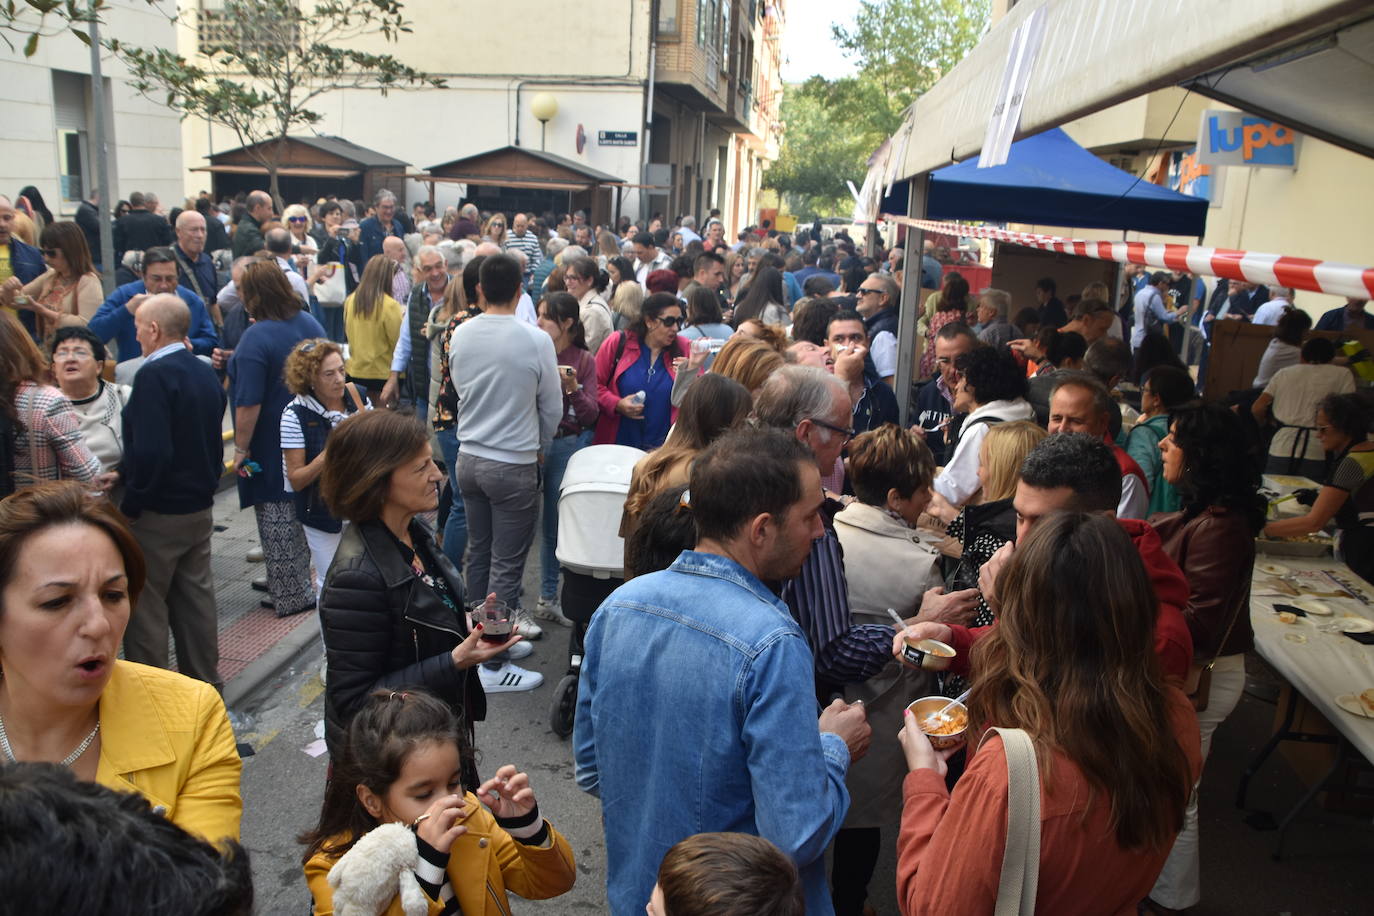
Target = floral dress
(446,406)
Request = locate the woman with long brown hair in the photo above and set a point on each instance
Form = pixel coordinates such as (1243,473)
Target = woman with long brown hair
(259,394)
(69,290)
(1116,744)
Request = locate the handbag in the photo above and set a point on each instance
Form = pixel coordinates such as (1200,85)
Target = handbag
(1198,686)
(1021,859)
(330,290)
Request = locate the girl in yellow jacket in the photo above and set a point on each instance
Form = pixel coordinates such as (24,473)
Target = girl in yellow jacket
(399,835)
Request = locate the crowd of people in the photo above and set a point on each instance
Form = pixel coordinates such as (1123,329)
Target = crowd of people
(404,395)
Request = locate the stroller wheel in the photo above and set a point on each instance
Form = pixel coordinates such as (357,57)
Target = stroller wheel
(564,706)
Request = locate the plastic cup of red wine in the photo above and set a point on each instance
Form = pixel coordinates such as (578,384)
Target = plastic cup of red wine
(494,616)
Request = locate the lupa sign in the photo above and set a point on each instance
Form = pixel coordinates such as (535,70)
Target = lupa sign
(1236,138)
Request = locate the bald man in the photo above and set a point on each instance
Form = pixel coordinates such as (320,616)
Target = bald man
(195,270)
(173,460)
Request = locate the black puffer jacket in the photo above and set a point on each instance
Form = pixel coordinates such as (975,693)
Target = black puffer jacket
(384,627)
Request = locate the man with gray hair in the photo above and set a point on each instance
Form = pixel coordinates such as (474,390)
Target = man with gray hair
(1280,300)
(466,226)
(173,459)
(688,227)
(376,228)
(411,355)
(815,406)
(248,230)
(278,243)
(540,276)
(994,326)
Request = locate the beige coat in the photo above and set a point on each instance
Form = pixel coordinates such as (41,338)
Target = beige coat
(887,565)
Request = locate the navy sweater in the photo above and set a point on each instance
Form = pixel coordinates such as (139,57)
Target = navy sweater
(173,444)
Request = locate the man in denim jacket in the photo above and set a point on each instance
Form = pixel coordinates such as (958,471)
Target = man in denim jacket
(696,711)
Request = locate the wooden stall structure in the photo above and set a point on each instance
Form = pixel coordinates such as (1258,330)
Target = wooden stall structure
(1238,345)
(517,178)
(311,168)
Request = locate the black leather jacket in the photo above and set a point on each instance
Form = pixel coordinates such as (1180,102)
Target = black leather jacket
(384,627)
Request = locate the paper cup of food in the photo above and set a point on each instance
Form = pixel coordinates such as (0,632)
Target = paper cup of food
(945,730)
(928,654)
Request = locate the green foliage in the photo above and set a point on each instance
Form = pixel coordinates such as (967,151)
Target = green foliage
(902,48)
(266,61)
(28,21)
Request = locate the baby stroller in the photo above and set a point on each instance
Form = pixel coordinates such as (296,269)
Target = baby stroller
(590,552)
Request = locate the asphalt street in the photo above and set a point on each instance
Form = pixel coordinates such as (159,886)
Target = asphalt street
(1324,870)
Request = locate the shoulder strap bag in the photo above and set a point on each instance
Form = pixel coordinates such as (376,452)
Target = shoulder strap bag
(1021,858)
(1198,687)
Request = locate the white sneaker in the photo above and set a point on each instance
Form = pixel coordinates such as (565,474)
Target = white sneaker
(549,609)
(255,554)
(508,679)
(520,650)
(525,622)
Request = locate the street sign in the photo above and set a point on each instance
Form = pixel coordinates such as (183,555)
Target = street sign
(617,138)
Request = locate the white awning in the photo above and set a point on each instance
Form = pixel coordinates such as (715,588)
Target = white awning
(1095,55)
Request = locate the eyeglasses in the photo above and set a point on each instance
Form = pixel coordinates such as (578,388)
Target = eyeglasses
(670,321)
(73,353)
(867,289)
(847,434)
(50,252)
(295,219)
(307,346)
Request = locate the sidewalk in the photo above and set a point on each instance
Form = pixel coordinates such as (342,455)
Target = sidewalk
(253,641)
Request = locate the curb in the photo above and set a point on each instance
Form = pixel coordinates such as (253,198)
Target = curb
(267,665)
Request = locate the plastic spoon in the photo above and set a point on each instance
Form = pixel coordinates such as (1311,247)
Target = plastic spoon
(935,716)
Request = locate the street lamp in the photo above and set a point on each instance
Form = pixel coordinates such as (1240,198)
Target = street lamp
(544,106)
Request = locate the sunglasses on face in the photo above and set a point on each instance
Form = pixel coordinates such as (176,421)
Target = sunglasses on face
(295,219)
(670,321)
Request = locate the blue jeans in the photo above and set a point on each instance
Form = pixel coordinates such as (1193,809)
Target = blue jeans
(555,463)
(332,317)
(456,528)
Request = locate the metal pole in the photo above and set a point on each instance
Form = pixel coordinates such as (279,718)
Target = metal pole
(102,171)
(908,347)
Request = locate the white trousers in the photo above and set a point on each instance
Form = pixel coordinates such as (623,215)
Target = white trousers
(1180,883)
(322,545)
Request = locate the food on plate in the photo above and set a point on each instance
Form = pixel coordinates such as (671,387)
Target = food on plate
(1287,617)
(1367,700)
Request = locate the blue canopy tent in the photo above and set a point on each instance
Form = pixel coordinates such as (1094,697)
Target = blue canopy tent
(1050,180)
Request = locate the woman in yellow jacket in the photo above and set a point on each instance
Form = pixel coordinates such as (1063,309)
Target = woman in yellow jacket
(70,570)
(399,835)
(372,324)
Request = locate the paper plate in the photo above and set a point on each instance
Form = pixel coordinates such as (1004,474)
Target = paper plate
(1355,625)
(1351,704)
(1272,569)
(1314,607)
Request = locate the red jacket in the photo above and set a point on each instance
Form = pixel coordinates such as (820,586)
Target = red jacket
(1173,641)
(608,372)
(1128,464)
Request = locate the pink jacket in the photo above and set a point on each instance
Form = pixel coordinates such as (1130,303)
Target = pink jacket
(609,370)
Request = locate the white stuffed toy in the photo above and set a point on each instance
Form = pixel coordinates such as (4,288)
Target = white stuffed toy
(377,869)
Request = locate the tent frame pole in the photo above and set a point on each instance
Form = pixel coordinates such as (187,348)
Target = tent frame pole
(910,312)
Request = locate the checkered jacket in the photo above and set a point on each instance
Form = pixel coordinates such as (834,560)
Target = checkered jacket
(49,444)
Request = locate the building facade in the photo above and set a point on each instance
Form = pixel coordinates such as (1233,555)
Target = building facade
(685,115)
(46,107)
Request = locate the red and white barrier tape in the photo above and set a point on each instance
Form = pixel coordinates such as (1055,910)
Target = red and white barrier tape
(1254,267)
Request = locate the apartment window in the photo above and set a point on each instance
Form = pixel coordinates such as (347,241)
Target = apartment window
(71,92)
(667,18)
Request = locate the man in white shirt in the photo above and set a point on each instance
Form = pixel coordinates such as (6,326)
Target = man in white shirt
(648,257)
(1280,298)
(877,299)
(279,246)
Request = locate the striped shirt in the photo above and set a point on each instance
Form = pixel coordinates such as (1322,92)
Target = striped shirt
(431,871)
(846,653)
(529,244)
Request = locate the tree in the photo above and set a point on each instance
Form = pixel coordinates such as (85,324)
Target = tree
(29,20)
(902,48)
(268,60)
